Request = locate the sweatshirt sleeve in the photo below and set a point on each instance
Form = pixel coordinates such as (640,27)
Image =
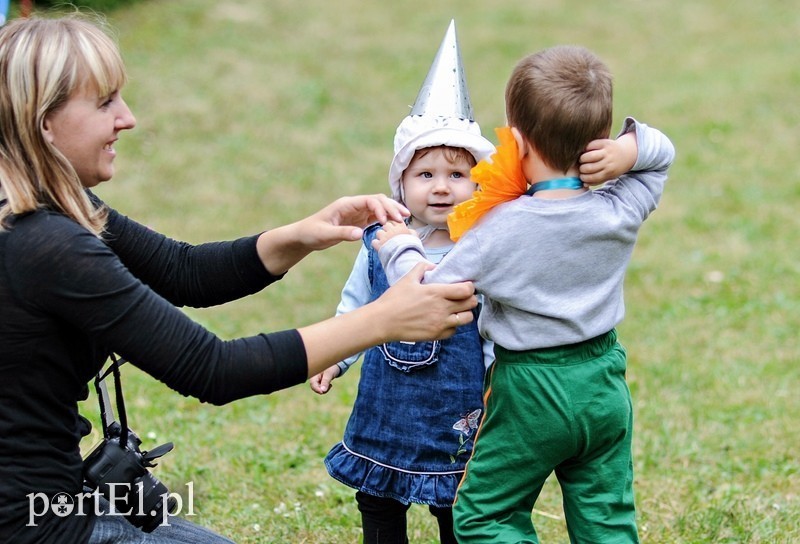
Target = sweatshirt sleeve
(94,295)
(462,263)
(641,188)
(399,255)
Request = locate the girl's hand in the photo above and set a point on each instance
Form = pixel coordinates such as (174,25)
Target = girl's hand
(389,231)
(321,383)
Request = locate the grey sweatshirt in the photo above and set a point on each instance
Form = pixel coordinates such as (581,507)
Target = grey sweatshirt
(551,271)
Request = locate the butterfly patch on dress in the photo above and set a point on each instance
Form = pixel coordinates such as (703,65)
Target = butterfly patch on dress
(465,426)
(469,422)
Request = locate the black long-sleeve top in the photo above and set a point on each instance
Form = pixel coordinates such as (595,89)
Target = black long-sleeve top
(68,299)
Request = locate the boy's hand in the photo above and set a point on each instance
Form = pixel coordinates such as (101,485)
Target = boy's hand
(389,231)
(605,159)
(321,383)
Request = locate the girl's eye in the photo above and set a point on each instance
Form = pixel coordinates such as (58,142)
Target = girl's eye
(426,175)
(458,175)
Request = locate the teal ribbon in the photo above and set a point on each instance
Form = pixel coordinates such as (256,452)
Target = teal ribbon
(558,183)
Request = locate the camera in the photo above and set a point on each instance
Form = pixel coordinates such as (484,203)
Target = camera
(118,469)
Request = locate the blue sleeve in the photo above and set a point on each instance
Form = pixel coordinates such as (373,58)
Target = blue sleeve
(355,293)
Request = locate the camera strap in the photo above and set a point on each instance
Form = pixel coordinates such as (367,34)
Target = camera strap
(106,411)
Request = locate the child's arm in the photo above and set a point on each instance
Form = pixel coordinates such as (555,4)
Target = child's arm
(607,159)
(395,235)
(639,190)
(400,252)
(399,248)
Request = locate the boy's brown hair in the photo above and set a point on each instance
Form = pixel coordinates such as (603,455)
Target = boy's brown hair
(560,99)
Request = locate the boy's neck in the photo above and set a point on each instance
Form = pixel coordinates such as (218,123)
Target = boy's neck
(536,171)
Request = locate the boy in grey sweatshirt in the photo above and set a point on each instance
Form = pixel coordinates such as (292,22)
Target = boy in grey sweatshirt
(550,262)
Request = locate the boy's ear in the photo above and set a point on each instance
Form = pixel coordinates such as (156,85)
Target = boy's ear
(522,143)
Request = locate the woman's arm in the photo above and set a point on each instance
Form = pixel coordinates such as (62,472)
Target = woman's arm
(186,275)
(65,273)
(218,272)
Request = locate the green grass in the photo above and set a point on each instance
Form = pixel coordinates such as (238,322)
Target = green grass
(253,114)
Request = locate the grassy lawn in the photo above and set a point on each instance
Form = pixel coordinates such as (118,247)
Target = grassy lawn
(252,114)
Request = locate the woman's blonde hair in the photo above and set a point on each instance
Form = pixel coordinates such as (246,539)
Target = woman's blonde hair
(43,62)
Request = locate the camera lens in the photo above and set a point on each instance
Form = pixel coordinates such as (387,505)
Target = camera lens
(154,503)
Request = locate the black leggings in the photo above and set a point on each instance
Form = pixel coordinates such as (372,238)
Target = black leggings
(384,520)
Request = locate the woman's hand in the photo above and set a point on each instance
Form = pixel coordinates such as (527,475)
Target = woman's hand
(344,219)
(341,221)
(409,310)
(430,311)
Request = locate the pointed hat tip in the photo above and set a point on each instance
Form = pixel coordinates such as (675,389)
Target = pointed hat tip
(444,92)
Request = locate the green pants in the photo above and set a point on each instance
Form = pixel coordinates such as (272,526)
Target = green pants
(565,409)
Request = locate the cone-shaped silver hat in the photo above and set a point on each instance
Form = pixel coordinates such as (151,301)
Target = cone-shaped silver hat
(444,92)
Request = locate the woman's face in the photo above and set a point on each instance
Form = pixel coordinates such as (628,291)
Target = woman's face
(85,128)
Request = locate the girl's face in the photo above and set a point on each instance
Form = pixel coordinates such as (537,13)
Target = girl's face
(432,186)
(85,128)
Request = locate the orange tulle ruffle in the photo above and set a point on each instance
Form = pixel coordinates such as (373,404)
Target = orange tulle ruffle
(499,180)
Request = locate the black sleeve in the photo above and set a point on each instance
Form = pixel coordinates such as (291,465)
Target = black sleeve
(65,271)
(185,274)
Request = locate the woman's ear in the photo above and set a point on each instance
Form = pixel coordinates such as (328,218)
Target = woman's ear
(522,143)
(47,131)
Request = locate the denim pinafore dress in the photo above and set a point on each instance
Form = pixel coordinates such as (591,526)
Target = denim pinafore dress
(414,420)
